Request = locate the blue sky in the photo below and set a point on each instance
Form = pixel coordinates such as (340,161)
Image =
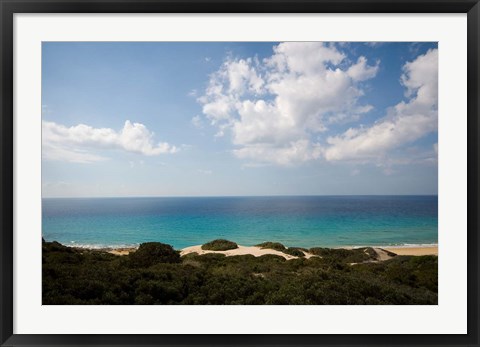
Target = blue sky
(208,119)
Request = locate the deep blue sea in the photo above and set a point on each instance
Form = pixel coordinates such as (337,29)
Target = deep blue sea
(304,221)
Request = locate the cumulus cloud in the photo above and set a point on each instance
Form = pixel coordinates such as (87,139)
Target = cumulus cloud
(361,71)
(75,143)
(405,122)
(273,109)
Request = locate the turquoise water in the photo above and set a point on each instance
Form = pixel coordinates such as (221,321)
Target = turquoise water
(304,221)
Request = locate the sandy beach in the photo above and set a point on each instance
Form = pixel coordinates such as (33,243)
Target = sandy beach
(258,251)
(430,250)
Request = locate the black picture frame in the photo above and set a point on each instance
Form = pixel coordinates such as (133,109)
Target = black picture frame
(10,7)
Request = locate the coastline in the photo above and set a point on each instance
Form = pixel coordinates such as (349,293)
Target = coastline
(411,250)
(258,251)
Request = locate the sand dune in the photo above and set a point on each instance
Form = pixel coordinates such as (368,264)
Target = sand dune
(257,251)
(242,250)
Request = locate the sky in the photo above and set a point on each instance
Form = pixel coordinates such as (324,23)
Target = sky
(239,118)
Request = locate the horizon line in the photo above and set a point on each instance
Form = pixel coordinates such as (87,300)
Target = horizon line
(224,196)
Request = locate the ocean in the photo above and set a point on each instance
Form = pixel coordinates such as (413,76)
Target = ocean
(304,221)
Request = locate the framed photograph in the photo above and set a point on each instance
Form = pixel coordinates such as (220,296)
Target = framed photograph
(242,173)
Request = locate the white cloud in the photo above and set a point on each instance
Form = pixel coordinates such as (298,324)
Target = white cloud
(274,108)
(304,57)
(242,77)
(288,154)
(404,123)
(361,71)
(197,122)
(74,143)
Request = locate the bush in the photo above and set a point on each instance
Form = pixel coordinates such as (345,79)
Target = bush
(295,251)
(91,277)
(56,247)
(151,253)
(219,245)
(340,255)
(209,258)
(272,245)
(277,246)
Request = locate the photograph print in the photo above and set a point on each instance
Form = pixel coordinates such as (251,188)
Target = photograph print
(239,173)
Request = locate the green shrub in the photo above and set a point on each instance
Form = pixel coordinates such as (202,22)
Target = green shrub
(56,247)
(272,258)
(209,258)
(295,251)
(340,255)
(272,245)
(151,253)
(277,246)
(89,277)
(219,245)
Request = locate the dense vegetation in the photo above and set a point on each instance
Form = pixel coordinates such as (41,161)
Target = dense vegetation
(295,251)
(219,245)
(357,255)
(272,245)
(156,274)
(152,253)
